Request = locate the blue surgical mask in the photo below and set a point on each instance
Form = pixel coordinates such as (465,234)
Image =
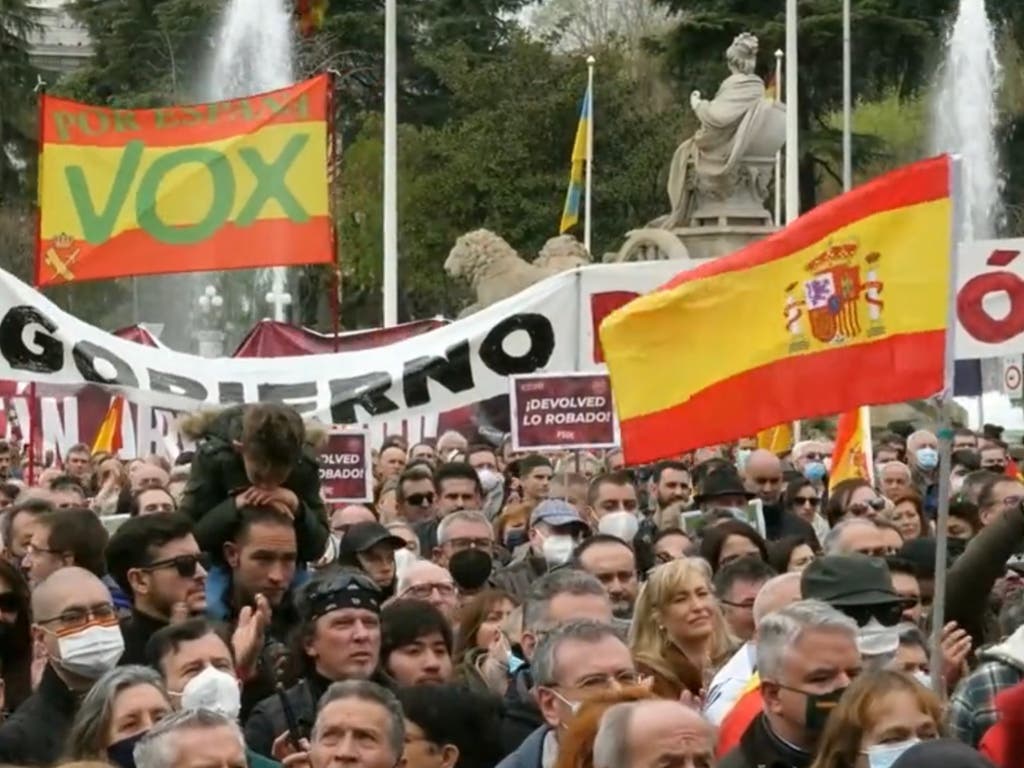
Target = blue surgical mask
(815,471)
(884,755)
(927,458)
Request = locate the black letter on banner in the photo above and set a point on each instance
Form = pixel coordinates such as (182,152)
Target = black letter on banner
(454,371)
(85,352)
(542,344)
(173,384)
(366,391)
(287,394)
(232,392)
(13,347)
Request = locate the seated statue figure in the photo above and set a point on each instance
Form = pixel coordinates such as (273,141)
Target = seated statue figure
(737,123)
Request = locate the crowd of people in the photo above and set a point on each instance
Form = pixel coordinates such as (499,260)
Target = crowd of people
(730,607)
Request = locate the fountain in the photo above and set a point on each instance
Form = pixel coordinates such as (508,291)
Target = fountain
(965,116)
(254,52)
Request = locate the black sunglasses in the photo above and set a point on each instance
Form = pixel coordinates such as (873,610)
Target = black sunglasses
(185,565)
(419,499)
(888,614)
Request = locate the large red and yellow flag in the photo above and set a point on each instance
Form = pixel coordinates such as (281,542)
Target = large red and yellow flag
(847,306)
(851,457)
(108,437)
(226,185)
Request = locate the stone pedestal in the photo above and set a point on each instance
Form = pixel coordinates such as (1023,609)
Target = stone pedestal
(714,241)
(210,343)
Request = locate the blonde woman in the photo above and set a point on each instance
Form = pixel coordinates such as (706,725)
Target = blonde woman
(679,637)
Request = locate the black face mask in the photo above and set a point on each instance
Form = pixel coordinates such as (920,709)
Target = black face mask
(470,568)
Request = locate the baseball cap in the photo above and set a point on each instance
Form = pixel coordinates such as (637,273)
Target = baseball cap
(848,580)
(363,536)
(556,512)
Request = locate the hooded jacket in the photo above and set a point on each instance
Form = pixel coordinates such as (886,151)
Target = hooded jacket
(218,476)
(973,709)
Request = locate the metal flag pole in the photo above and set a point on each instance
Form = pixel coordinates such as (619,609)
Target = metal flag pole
(590,152)
(390,240)
(779,56)
(792,114)
(847,102)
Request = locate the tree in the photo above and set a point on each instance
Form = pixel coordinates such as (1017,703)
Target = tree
(893,46)
(501,161)
(18,21)
(587,25)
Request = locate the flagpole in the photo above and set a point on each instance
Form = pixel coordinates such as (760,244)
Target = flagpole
(590,152)
(938,617)
(847,102)
(779,55)
(792,115)
(390,240)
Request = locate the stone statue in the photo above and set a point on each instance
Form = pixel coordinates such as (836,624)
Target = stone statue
(724,170)
(496,271)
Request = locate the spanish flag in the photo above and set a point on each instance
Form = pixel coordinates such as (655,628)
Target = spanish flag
(108,437)
(580,155)
(847,306)
(778,440)
(851,458)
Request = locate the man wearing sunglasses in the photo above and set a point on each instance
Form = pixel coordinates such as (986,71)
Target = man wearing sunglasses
(860,587)
(156,560)
(416,495)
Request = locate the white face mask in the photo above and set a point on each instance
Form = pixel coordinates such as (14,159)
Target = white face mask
(876,639)
(489,479)
(621,525)
(404,557)
(923,678)
(884,755)
(215,690)
(92,652)
(557,549)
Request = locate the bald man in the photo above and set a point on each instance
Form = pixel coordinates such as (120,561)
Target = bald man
(427,581)
(651,733)
(763,475)
(734,677)
(75,604)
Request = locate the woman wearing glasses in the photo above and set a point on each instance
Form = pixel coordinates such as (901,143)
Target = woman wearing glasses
(803,499)
(853,498)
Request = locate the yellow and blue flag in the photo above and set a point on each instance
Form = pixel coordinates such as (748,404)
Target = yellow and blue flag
(580,155)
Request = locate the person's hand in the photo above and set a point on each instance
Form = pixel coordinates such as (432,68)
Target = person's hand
(691,700)
(285,752)
(39,660)
(956,647)
(281,499)
(694,99)
(247,640)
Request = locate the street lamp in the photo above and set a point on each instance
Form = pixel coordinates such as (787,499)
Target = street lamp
(210,335)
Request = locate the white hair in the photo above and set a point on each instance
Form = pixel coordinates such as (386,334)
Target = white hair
(803,446)
(460,516)
(779,632)
(767,599)
(405,577)
(898,464)
(833,544)
(611,744)
(159,747)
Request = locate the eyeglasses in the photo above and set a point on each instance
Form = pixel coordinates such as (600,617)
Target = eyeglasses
(76,618)
(32,549)
(602,682)
(424,591)
(186,565)
(888,614)
(470,543)
(861,508)
(420,499)
(807,501)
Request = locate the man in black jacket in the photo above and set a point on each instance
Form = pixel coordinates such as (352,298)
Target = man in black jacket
(338,639)
(74,618)
(155,559)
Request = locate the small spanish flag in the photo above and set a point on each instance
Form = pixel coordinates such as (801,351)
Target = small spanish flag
(108,437)
(851,457)
(847,306)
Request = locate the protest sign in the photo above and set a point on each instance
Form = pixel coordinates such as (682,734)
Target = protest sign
(562,410)
(345,463)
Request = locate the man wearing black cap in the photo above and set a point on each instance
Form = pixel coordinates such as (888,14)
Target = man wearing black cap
(724,488)
(555,530)
(370,547)
(338,639)
(860,587)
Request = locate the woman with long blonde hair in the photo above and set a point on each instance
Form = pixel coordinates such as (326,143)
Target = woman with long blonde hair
(679,636)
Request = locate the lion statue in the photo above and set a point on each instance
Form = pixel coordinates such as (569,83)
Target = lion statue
(495,271)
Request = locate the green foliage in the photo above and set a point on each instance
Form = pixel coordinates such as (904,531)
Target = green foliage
(18,20)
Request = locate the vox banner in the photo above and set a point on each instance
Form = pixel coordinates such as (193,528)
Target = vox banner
(226,185)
